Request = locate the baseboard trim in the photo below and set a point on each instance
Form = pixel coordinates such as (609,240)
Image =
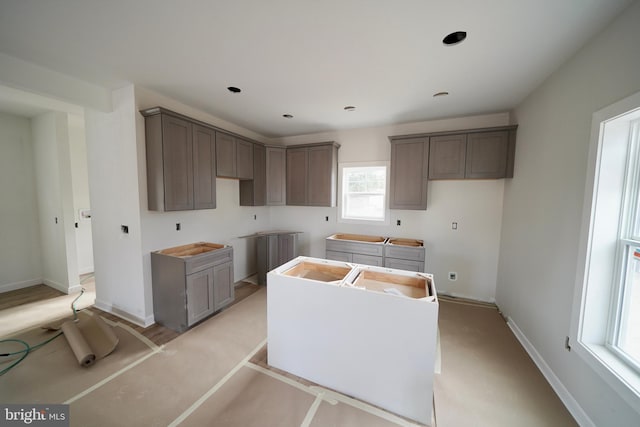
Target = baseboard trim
(570,403)
(85,270)
(109,308)
(20,285)
(58,286)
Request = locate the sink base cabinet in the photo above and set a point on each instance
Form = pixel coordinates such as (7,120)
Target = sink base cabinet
(357,252)
(380,254)
(187,290)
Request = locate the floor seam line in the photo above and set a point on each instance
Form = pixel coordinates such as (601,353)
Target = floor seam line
(190,410)
(112,376)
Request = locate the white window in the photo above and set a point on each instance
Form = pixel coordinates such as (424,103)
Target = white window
(606,316)
(624,322)
(363,192)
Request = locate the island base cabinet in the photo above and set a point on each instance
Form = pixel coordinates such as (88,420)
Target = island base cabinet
(346,333)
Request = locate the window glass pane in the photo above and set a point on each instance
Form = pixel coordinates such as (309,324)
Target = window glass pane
(363,192)
(629,331)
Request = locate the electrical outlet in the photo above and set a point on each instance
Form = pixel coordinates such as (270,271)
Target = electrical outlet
(454,225)
(326,218)
(398,222)
(124,229)
(453,276)
(255,217)
(178,226)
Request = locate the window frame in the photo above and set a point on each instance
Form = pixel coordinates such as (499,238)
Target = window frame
(599,270)
(345,165)
(629,239)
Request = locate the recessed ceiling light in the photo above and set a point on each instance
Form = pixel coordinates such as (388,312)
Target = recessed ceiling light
(440,94)
(234,89)
(349,108)
(287,116)
(454,38)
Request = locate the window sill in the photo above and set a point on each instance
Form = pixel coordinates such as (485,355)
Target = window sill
(363,221)
(620,376)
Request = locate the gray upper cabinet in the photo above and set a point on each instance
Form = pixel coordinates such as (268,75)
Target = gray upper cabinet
(447,156)
(466,154)
(226,163)
(487,154)
(269,174)
(244,159)
(180,163)
(312,172)
(234,157)
(276,166)
(297,176)
(409,168)
(253,191)
(204,167)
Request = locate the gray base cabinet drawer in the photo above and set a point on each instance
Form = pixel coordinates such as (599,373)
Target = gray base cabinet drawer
(368,260)
(404,252)
(403,264)
(373,249)
(339,256)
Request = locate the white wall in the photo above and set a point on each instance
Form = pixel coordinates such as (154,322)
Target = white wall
(113,181)
(20,264)
(543,208)
(80,183)
(476,205)
(52,166)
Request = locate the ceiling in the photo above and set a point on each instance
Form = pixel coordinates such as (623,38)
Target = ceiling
(309,58)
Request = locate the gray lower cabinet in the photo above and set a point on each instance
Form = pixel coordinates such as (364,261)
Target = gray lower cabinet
(312,174)
(399,253)
(409,172)
(404,254)
(273,250)
(352,251)
(189,288)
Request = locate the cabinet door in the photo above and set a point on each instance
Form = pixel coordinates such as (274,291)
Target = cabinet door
(287,248)
(447,156)
(253,191)
(177,160)
(409,161)
(487,154)
(276,164)
(321,176)
(225,155)
(204,167)
(244,159)
(200,297)
(224,292)
(297,176)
